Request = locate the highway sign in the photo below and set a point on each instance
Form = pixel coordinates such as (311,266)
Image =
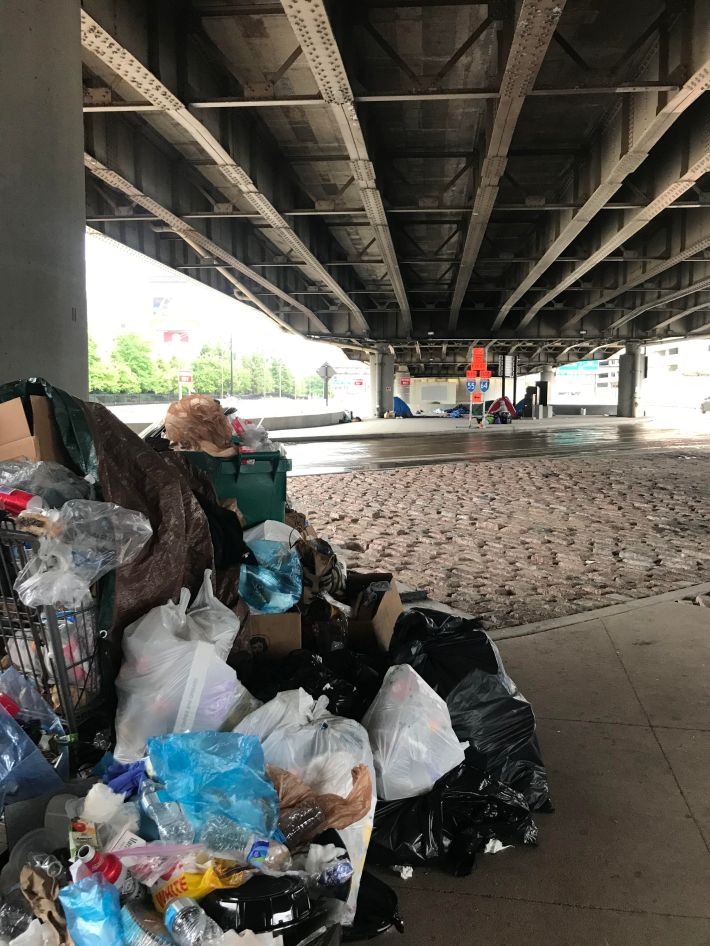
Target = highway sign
(185,377)
(326,371)
(405,381)
(471,385)
(358,382)
(485,385)
(476,397)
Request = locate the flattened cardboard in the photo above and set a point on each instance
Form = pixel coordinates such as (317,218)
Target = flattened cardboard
(375,633)
(272,635)
(21,441)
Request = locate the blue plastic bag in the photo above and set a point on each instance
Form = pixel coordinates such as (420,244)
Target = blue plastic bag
(24,771)
(276,583)
(216,776)
(93,912)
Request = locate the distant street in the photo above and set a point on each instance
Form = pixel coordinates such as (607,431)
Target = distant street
(336,454)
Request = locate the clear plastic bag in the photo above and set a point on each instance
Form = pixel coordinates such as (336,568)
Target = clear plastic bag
(411,737)
(52,481)
(32,704)
(275,584)
(299,734)
(217,775)
(93,912)
(169,683)
(24,772)
(85,541)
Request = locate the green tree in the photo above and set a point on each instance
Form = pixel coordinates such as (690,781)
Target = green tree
(313,386)
(166,373)
(134,354)
(210,370)
(260,381)
(282,380)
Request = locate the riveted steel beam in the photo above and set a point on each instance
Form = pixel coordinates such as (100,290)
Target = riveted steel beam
(624,144)
(702,285)
(309,21)
(201,244)
(533,31)
(672,182)
(683,247)
(140,81)
(682,314)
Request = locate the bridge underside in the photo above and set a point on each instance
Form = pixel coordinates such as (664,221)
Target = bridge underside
(414,177)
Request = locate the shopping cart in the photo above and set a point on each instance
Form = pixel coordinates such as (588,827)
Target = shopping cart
(58,650)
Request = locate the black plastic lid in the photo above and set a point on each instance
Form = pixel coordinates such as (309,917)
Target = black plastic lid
(261,905)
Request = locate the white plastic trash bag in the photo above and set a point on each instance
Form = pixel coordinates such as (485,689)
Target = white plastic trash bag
(413,743)
(211,621)
(173,679)
(299,734)
(272,531)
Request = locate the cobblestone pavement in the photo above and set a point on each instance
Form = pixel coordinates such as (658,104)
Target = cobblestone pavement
(516,541)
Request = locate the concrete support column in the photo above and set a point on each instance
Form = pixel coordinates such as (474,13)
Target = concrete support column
(381,382)
(631,374)
(42,211)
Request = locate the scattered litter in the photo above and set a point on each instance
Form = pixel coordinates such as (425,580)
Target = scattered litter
(280,721)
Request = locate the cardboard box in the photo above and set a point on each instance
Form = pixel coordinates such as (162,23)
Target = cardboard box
(370,632)
(271,635)
(29,438)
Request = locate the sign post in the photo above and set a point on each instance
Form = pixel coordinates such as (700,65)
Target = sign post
(470,387)
(326,372)
(184,377)
(478,370)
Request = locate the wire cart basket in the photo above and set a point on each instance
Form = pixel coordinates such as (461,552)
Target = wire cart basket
(57,650)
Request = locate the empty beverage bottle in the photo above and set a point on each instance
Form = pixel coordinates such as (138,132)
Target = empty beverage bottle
(189,925)
(225,837)
(167,814)
(302,822)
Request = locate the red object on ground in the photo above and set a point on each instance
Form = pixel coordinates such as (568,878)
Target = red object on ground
(503,403)
(9,704)
(108,865)
(14,501)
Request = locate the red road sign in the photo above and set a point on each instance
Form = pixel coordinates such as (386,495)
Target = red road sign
(479,368)
(185,377)
(476,397)
(405,381)
(358,382)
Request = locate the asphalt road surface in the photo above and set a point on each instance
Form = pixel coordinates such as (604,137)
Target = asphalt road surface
(499,443)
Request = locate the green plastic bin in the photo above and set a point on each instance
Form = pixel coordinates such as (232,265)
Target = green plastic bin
(256,480)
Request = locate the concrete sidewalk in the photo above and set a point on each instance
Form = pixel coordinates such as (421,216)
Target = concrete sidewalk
(621,701)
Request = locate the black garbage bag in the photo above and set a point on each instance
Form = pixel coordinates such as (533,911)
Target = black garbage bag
(451,823)
(377,910)
(462,664)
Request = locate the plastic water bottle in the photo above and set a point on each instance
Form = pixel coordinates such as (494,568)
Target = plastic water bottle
(167,814)
(189,925)
(223,836)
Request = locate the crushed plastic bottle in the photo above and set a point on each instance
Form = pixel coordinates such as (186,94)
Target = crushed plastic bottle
(225,837)
(189,925)
(167,814)
(301,823)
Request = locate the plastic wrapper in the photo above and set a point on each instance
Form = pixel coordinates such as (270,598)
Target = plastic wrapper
(15,917)
(93,912)
(411,737)
(24,772)
(451,823)
(487,710)
(209,876)
(197,422)
(272,531)
(300,735)
(171,682)
(209,620)
(36,934)
(86,540)
(217,775)
(273,585)
(28,698)
(252,436)
(52,481)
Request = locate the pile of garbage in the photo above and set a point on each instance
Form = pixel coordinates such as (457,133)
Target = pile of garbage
(269,725)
